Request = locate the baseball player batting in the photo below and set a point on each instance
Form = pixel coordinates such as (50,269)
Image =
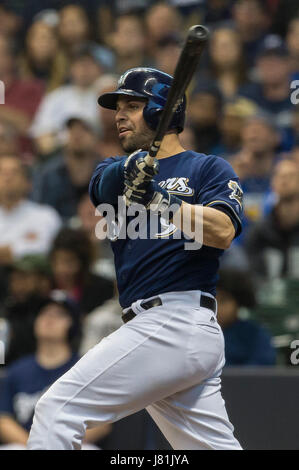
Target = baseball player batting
(168,355)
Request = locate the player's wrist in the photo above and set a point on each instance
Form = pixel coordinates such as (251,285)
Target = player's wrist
(163,201)
(137,170)
(152,197)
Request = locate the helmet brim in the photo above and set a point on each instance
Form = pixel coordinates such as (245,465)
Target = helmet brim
(109,100)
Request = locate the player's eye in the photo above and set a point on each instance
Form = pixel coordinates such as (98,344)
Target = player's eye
(134,105)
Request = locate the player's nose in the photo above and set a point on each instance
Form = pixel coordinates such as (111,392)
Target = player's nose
(120,116)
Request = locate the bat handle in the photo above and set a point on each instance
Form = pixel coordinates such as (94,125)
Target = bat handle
(154,149)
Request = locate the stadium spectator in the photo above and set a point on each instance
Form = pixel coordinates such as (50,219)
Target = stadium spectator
(56,331)
(227,62)
(286,10)
(161,20)
(28,276)
(218,12)
(26,227)
(292,41)
(73,28)
(22,97)
(167,53)
(188,138)
(252,20)
(62,180)
(19,316)
(79,98)
(272,92)
(86,219)
(71,257)
(128,42)
(235,114)
(42,57)
(10,22)
(273,243)
(255,162)
(204,107)
(246,342)
(100,323)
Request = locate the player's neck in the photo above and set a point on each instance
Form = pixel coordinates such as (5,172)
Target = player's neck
(170,146)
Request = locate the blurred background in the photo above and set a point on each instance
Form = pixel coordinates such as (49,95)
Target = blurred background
(57,282)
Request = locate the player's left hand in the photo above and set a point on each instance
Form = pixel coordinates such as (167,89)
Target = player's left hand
(137,170)
(151,196)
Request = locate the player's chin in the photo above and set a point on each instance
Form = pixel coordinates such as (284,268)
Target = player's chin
(129,145)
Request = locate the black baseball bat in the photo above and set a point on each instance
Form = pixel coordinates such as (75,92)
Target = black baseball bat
(189,58)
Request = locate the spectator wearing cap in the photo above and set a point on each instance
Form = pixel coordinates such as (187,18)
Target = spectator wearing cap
(246,342)
(25,226)
(273,243)
(203,111)
(79,99)
(21,96)
(62,180)
(72,257)
(272,90)
(227,62)
(28,276)
(42,58)
(56,329)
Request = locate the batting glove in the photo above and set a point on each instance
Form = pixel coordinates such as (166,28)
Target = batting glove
(137,171)
(151,196)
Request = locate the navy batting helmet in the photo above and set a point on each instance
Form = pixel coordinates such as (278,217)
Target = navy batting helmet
(151,84)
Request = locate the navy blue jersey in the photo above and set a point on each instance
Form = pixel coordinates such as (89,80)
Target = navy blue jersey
(148,267)
(25,381)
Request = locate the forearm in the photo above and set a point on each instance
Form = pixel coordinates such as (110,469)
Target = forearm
(111,184)
(12,432)
(206,225)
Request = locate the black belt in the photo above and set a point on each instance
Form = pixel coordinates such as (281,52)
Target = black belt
(205,301)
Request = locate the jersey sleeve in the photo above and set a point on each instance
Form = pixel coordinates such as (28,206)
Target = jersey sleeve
(107,182)
(220,188)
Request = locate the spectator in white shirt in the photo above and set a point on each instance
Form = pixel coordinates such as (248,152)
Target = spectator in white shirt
(25,226)
(79,98)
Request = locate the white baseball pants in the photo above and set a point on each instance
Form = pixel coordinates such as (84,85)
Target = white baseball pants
(167,359)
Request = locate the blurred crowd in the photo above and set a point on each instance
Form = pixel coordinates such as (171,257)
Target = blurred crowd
(58,296)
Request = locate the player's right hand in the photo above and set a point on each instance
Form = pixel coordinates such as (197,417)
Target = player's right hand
(136,169)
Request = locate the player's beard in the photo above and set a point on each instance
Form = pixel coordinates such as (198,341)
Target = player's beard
(141,140)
